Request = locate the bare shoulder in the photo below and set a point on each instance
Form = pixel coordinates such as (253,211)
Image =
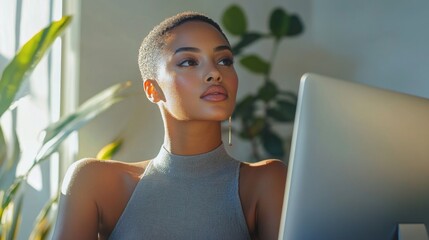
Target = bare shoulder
(91,172)
(262,181)
(262,187)
(265,170)
(87,208)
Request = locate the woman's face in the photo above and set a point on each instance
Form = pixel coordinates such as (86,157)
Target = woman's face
(196,74)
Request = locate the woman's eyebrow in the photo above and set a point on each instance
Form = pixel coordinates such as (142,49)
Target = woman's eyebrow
(187,49)
(194,49)
(222,47)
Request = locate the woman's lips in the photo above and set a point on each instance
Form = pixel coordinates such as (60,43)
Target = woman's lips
(215,93)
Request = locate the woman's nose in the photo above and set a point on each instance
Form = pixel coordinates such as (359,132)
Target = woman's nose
(213,76)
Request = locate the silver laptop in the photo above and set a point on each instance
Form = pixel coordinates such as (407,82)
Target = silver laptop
(359,164)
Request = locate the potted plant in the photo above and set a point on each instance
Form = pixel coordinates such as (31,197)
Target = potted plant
(257,113)
(11,194)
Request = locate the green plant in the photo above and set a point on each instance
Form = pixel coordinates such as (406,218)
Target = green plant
(11,194)
(258,112)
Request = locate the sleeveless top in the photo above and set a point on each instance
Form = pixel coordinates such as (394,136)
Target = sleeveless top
(185,197)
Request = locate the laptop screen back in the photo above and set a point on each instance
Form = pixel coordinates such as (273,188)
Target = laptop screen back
(359,162)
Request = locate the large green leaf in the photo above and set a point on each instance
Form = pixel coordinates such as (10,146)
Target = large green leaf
(283,111)
(234,20)
(296,26)
(268,91)
(288,109)
(245,107)
(57,132)
(26,60)
(279,23)
(272,143)
(282,24)
(246,40)
(255,64)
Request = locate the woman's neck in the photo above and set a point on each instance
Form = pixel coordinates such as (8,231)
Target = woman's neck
(191,137)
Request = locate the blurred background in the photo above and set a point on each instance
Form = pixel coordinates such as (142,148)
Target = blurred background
(380,43)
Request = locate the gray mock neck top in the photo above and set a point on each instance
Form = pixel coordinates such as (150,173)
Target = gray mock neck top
(185,197)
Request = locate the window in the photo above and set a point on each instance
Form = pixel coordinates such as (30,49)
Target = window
(40,97)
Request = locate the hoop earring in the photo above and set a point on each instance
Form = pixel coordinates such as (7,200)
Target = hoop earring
(229,132)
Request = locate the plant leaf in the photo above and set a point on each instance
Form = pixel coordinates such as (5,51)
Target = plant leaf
(10,219)
(57,132)
(288,109)
(256,127)
(296,26)
(107,152)
(1,209)
(26,60)
(291,96)
(11,192)
(279,23)
(8,170)
(245,107)
(255,64)
(3,149)
(16,220)
(272,143)
(43,223)
(268,91)
(234,20)
(277,114)
(246,40)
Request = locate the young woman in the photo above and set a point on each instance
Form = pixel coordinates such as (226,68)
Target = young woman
(193,189)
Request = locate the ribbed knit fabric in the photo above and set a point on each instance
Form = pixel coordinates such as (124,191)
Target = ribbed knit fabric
(185,197)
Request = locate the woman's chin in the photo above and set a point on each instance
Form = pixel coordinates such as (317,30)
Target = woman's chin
(218,116)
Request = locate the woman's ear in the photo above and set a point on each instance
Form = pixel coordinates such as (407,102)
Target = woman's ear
(152,90)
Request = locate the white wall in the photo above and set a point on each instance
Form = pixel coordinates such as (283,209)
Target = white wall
(381,43)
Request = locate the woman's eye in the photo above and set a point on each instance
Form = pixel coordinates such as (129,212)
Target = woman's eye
(187,63)
(226,61)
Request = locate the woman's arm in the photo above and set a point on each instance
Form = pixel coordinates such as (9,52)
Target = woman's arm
(78,213)
(270,187)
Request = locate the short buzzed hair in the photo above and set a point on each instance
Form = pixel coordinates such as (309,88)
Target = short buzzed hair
(154,42)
